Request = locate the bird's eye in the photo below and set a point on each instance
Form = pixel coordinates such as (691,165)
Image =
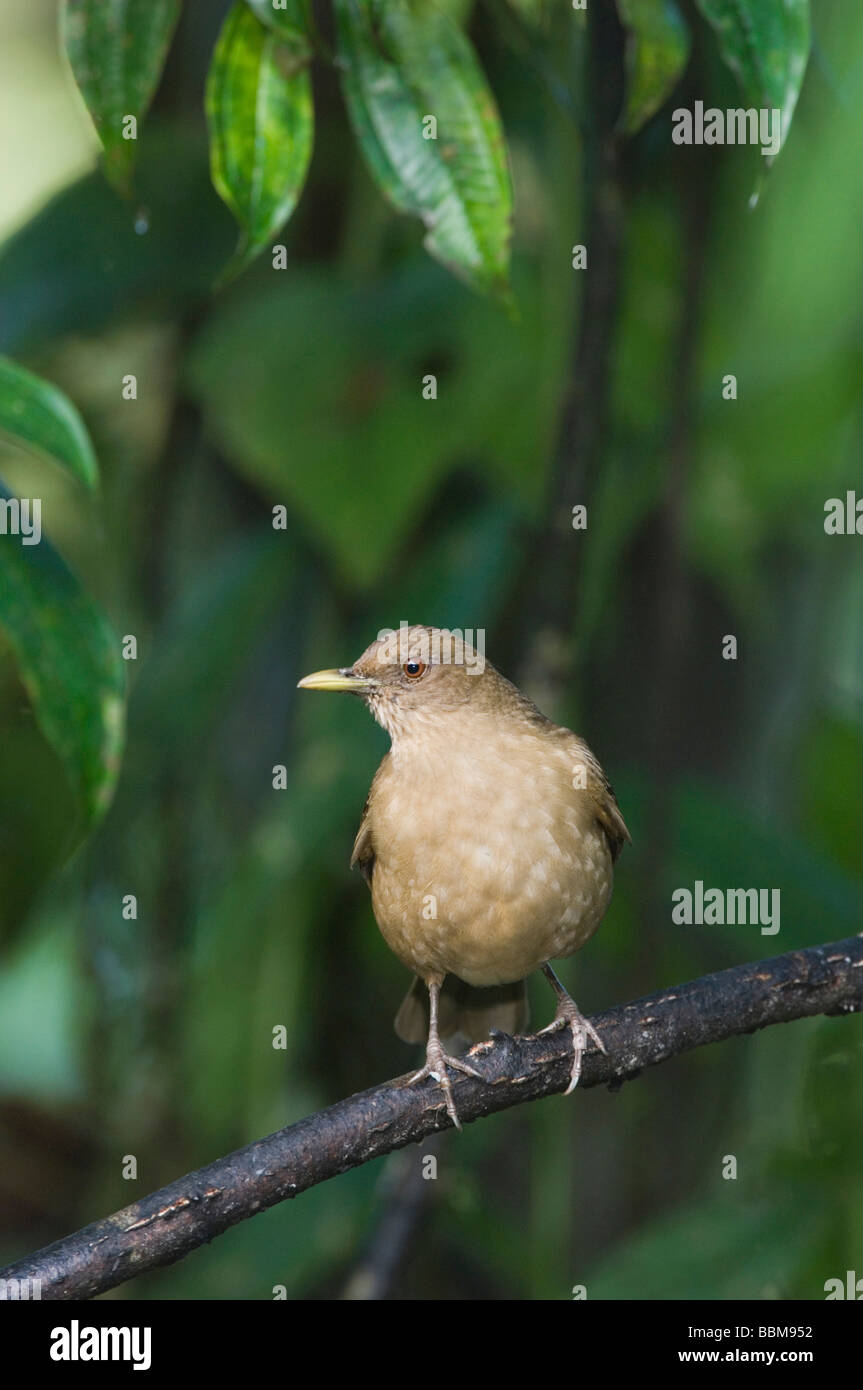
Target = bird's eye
(414,669)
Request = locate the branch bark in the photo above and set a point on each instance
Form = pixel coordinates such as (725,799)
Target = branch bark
(168,1224)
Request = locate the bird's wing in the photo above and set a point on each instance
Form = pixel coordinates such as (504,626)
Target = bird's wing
(364,853)
(606,807)
(603,800)
(364,850)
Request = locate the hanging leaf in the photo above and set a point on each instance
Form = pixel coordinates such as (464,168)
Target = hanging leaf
(261,119)
(69,661)
(290,20)
(35,414)
(657,49)
(117,49)
(766,44)
(429,129)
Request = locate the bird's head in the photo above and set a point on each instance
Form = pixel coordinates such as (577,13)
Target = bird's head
(415,676)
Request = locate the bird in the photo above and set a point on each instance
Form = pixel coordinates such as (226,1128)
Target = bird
(488,841)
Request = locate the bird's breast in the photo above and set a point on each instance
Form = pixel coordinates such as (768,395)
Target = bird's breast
(488,861)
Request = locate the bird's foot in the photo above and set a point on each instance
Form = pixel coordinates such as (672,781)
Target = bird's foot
(437,1062)
(569,1016)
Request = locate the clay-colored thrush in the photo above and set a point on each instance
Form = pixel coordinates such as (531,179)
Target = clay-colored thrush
(487,840)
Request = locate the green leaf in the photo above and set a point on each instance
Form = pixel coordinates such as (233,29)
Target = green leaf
(69,660)
(289,19)
(38,416)
(260,114)
(766,44)
(334,389)
(117,49)
(403,64)
(657,49)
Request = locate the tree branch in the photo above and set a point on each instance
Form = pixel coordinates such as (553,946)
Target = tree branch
(168,1224)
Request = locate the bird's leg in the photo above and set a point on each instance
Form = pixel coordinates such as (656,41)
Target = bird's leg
(437,1060)
(568,1016)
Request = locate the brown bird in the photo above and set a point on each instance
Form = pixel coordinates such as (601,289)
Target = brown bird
(487,839)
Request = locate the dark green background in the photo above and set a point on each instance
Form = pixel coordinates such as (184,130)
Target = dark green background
(302,387)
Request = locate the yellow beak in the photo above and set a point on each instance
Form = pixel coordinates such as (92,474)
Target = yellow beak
(335,680)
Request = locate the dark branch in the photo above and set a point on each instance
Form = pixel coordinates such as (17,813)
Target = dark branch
(170,1223)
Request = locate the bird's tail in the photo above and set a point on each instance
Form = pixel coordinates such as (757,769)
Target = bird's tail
(465,1011)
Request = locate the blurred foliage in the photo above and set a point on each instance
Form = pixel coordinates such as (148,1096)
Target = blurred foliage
(259,105)
(657,49)
(767,46)
(35,415)
(302,388)
(428,126)
(117,49)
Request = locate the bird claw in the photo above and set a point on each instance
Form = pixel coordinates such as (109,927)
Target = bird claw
(569,1016)
(437,1062)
